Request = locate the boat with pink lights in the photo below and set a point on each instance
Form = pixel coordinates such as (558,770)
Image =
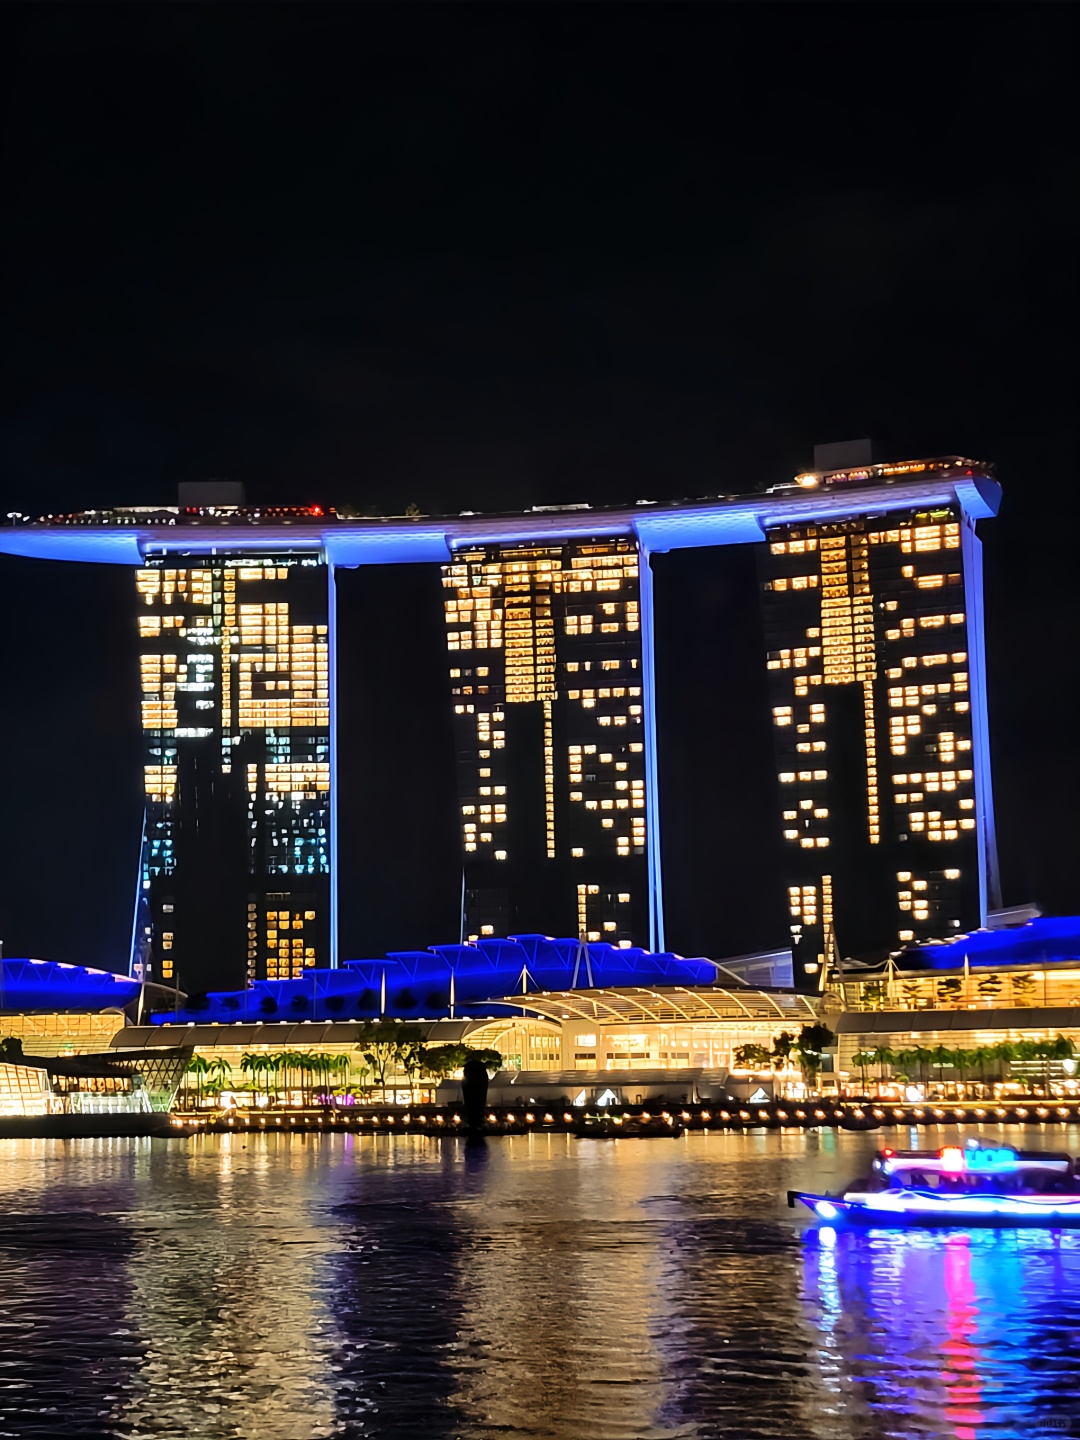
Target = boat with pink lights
(969,1185)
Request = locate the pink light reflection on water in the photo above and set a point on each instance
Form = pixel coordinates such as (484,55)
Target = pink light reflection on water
(960,1351)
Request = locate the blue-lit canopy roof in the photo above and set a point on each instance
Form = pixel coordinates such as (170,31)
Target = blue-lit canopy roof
(49,985)
(452,979)
(1048,940)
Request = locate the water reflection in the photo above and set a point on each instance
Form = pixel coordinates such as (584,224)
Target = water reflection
(59,1378)
(537,1287)
(228,1298)
(947,1333)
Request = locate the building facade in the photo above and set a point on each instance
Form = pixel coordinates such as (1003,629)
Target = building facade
(547,684)
(234,659)
(873,609)
(877,684)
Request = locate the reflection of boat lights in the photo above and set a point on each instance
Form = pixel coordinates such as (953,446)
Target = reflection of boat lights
(826,1209)
(960,1351)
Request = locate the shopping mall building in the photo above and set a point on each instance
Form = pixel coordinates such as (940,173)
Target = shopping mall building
(576,1020)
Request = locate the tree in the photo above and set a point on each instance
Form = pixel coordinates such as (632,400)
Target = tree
(385,1045)
(490,1059)
(442,1061)
(751,1057)
(884,1056)
(1063,1049)
(197,1066)
(1004,1052)
(410,1057)
(253,1064)
(218,1073)
(944,1058)
(863,1059)
(810,1048)
(275,1066)
(11,1050)
(974,1058)
(322,1065)
(782,1047)
(291,1062)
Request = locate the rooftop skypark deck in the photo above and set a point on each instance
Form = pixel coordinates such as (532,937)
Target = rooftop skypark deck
(126,535)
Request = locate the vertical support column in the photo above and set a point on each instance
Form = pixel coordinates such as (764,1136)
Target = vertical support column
(989,880)
(331,638)
(652,790)
(133,956)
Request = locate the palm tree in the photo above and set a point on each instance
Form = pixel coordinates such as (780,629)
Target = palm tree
(198,1067)
(288,1062)
(274,1065)
(342,1065)
(253,1064)
(904,1064)
(219,1072)
(883,1056)
(360,1078)
(863,1059)
(321,1066)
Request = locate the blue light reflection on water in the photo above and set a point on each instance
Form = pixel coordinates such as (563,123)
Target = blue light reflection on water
(961,1334)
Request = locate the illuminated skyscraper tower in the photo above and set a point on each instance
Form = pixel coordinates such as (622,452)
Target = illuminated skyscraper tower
(873,606)
(875,652)
(548,686)
(234,659)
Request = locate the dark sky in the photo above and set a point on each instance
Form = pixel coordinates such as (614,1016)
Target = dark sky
(502,255)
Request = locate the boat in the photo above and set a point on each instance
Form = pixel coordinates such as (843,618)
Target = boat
(972,1184)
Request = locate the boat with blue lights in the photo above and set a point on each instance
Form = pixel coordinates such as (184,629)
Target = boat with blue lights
(969,1185)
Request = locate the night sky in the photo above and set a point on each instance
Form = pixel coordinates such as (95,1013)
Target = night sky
(495,256)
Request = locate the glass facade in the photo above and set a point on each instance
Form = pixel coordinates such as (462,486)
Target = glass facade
(871,686)
(547,683)
(235,670)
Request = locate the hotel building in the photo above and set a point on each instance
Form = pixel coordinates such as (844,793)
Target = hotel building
(234,664)
(877,680)
(872,590)
(546,678)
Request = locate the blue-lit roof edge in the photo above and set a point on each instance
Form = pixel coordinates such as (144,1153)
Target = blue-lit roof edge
(347,543)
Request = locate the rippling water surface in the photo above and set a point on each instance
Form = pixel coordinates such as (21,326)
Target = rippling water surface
(286,1287)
